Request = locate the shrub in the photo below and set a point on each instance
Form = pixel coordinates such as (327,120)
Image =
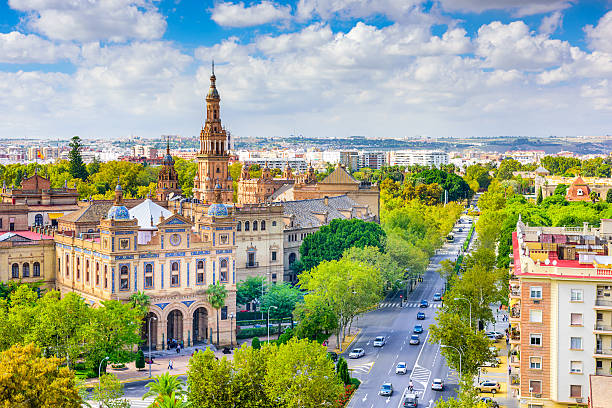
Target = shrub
(255,343)
(140,360)
(255,331)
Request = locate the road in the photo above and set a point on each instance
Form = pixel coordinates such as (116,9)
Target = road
(424,360)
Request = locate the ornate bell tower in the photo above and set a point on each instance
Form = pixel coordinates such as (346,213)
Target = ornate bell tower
(214,152)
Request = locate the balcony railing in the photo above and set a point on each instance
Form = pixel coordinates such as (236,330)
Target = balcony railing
(602,302)
(603,327)
(252,264)
(515,313)
(516,336)
(603,351)
(515,292)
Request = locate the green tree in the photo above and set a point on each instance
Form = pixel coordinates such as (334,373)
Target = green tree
(468,398)
(77,167)
(255,343)
(109,393)
(31,381)
(342,371)
(561,190)
(539,199)
(216,295)
(165,385)
(479,174)
(210,381)
(316,318)
(282,296)
(507,168)
(141,301)
(171,401)
(94,166)
(140,360)
(249,379)
(609,196)
(250,289)
(391,272)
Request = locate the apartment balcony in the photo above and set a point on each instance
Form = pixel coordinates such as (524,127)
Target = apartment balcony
(515,292)
(515,313)
(515,337)
(602,352)
(515,381)
(252,264)
(601,328)
(603,304)
(515,361)
(602,371)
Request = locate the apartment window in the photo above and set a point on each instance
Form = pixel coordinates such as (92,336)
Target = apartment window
(26,270)
(576,295)
(535,316)
(36,269)
(174,275)
(576,367)
(535,386)
(251,259)
(599,316)
(148,281)
(224,313)
(15,271)
(67,265)
(599,364)
(274,255)
(535,339)
(535,292)
(576,343)
(575,391)
(535,363)
(576,319)
(200,271)
(124,278)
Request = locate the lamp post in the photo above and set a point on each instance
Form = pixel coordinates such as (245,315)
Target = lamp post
(99,377)
(271,307)
(470,303)
(231,329)
(149,336)
(458,351)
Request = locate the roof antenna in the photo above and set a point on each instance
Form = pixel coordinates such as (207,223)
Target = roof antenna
(213,67)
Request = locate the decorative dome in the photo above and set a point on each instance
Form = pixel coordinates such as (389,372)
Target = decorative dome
(118,212)
(212,93)
(217,210)
(168,160)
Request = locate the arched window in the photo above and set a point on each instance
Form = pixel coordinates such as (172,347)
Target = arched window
(291,258)
(26,270)
(148,282)
(223,270)
(67,265)
(78,268)
(15,271)
(105,276)
(239,226)
(148,268)
(175,266)
(246,226)
(97,273)
(36,269)
(263,225)
(87,270)
(174,275)
(124,282)
(224,263)
(200,276)
(254,225)
(38,219)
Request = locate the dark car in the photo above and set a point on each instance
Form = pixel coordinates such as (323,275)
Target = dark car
(418,328)
(489,402)
(424,303)
(411,401)
(420,316)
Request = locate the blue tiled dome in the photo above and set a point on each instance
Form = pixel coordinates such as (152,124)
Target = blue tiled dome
(217,210)
(118,212)
(168,160)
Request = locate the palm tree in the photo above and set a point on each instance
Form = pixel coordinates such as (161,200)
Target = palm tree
(140,300)
(170,401)
(216,297)
(165,385)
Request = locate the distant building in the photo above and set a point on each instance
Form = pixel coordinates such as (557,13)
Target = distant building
(372,160)
(417,157)
(27,256)
(579,188)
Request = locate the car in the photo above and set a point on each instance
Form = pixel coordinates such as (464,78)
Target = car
(332,356)
(401,368)
(418,328)
(488,386)
(460,229)
(494,350)
(420,316)
(379,341)
(411,401)
(492,337)
(414,340)
(424,303)
(497,334)
(493,363)
(386,390)
(437,384)
(356,353)
(437,297)
(489,402)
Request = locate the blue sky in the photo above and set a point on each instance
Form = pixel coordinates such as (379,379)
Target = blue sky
(323,68)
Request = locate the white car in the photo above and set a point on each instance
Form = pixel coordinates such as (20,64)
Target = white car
(401,368)
(437,384)
(356,353)
(379,341)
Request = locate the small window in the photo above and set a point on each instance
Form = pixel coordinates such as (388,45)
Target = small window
(292,258)
(36,269)
(599,364)
(254,225)
(535,292)
(26,270)
(579,192)
(273,224)
(175,275)
(535,386)
(263,225)
(575,391)
(535,316)
(576,367)
(239,226)
(97,273)
(224,313)
(105,276)
(576,343)
(200,273)
(148,282)
(15,271)
(535,339)
(576,319)
(599,316)
(576,295)
(535,363)
(124,279)
(274,255)
(247,226)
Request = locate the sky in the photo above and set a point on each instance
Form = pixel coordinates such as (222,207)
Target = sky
(319,68)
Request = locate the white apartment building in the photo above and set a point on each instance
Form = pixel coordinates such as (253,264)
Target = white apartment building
(419,157)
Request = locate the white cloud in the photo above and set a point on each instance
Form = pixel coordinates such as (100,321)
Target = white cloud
(93,20)
(600,36)
(18,48)
(393,9)
(518,7)
(238,15)
(509,46)
(551,23)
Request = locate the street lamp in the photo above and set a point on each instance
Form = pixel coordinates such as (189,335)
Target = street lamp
(458,351)
(271,307)
(100,379)
(469,303)
(150,362)
(231,328)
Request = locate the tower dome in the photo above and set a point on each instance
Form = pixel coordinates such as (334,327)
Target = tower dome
(118,211)
(218,209)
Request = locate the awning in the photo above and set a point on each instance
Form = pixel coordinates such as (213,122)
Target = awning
(55,216)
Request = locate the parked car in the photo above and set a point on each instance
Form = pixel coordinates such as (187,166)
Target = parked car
(437,297)
(494,350)
(493,363)
(497,334)
(379,341)
(488,386)
(418,328)
(424,303)
(401,368)
(332,356)
(492,337)
(356,353)
(490,402)
(386,390)
(411,401)
(420,316)
(437,384)
(414,340)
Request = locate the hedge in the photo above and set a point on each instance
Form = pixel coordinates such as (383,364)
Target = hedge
(241,316)
(255,331)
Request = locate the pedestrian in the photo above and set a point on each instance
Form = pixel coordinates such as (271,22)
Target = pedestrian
(170,367)
(178,349)
(410,386)
(509,370)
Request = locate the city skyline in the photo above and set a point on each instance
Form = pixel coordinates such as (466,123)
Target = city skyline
(391,68)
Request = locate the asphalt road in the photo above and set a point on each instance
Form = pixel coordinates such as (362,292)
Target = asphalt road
(424,361)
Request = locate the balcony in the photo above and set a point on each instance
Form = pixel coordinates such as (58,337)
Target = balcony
(515,312)
(252,264)
(602,352)
(515,292)
(515,381)
(603,304)
(515,337)
(601,328)
(515,361)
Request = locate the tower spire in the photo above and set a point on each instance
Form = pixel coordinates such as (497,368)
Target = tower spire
(168,145)
(213,67)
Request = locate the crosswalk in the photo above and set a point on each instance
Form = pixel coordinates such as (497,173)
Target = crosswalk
(363,368)
(134,402)
(409,304)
